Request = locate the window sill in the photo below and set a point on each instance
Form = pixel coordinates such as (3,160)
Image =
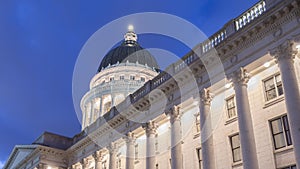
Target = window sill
(273,101)
(284,149)
(231,120)
(237,164)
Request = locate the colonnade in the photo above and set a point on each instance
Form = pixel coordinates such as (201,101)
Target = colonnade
(284,55)
(97,107)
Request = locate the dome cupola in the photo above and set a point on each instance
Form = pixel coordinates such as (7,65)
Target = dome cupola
(129,52)
(122,71)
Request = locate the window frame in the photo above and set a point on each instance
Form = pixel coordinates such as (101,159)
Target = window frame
(285,131)
(136,152)
(111,78)
(197,122)
(131,77)
(289,167)
(276,86)
(231,108)
(199,155)
(233,149)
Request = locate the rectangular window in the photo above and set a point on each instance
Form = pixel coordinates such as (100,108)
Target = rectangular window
(120,163)
(273,87)
(199,155)
(281,132)
(111,79)
(122,78)
(143,79)
(235,147)
(132,77)
(290,167)
(136,151)
(197,122)
(230,105)
(156,144)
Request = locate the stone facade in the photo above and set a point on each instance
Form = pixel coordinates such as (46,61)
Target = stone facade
(247,119)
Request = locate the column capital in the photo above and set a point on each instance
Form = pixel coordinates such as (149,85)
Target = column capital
(84,162)
(240,76)
(206,96)
(174,113)
(112,148)
(130,138)
(97,155)
(286,50)
(150,127)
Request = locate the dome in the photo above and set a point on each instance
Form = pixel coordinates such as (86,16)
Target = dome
(129,52)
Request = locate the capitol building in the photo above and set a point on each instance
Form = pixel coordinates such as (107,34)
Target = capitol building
(136,115)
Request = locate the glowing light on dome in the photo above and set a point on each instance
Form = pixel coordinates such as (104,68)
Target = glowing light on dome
(130,28)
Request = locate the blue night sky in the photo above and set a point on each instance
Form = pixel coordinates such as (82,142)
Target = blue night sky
(41,40)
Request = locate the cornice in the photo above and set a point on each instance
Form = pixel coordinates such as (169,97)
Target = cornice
(268,23)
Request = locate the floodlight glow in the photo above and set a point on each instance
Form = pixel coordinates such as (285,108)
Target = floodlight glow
(228,85)
(130,28)
(267,64)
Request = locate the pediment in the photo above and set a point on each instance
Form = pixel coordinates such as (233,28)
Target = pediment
(19,153)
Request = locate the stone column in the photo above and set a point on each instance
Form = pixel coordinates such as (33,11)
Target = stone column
(98,159)
(207,143)
(100,106)
(112,148)
(84,112)
(130,143)
(240,79)
(84,163)
(92,111)
(284,55)
(150,129)
(88,114)
(113,100)
(176,138)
